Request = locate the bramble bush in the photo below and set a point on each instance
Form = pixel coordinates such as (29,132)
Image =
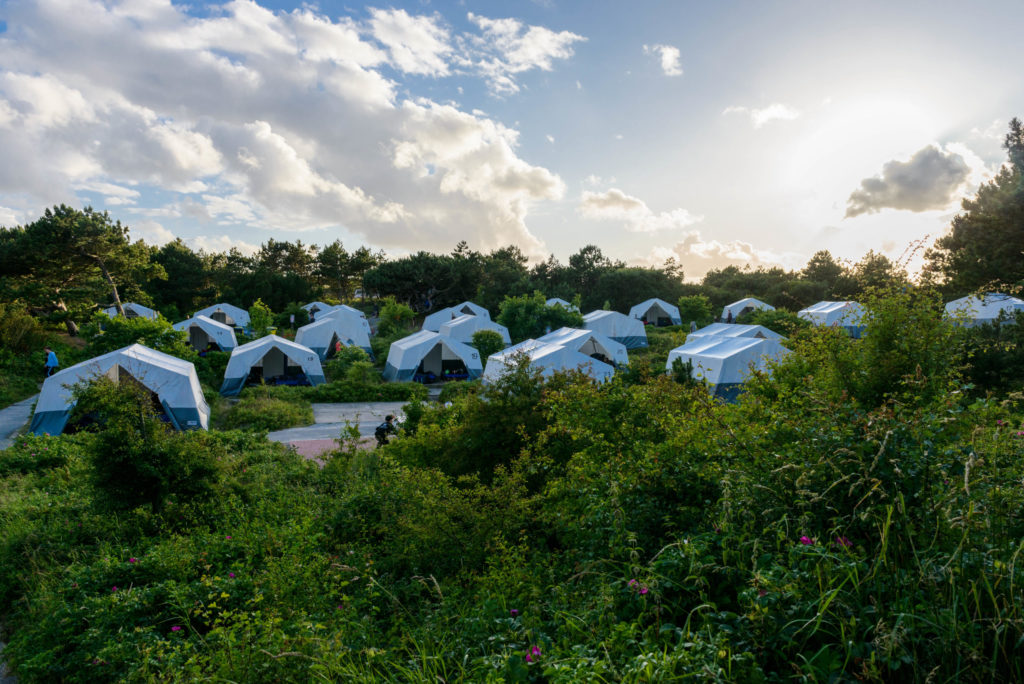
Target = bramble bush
(258,410)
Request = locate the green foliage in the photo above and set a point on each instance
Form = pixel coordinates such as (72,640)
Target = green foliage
(786,323)
(211,366)
(529,316)
(995,356)
(258,410)
(395,318)
(337,367)
(260,318)
(282,321)
(487,342)
(696,308)
(363,373)
(105,334)
(135,459)
(21,358)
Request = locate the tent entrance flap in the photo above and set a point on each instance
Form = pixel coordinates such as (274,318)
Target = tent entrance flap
(273,363)
(198,338)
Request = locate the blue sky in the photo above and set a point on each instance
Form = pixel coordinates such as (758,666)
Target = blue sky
(712,133)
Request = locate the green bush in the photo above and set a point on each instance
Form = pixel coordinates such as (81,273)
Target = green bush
(529,316)
(105,334)
(135,458)
(395,319)
(258,410)
(697,309)
(337,367)
(487,342)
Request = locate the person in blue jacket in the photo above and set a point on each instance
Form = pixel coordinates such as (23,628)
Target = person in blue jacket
(52,364)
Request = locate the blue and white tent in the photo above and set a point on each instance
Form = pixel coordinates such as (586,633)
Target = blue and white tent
(549,358)
(736,330)
(132,310)
(620,327)
(228,314)
(591,343)
(336,326)
(316,309)
(203,331)
(428,356)
(846,315)
(434,321)
(568,306)
(272,355)
(656,312)
(726,363)
(171,379)
(987,308)
(742,306)
(463,327)
(343,309)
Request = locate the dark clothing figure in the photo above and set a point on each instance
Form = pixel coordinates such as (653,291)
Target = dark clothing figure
(384,429)
(728,319)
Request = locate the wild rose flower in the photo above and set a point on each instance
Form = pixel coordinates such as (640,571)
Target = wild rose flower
(806,541)
(643,590)
(132,560)
(535,651)
(529,659)
(514,612)
(175,628)
(231,575)
(113,588)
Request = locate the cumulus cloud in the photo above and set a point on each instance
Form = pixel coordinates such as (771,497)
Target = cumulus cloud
(931,179)
(221,243)
(509,47)
(632,212)
(152,232)
(759,117)
(253,119)
(698,255)
(668,56)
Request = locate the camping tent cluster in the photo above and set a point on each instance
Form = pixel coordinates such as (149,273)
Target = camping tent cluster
(228,314)
(439,351)
(132,310)
(271,359)
(984,309)
(565,349)
(725,361)
(846,315)
(172,382)
(204,332)
(619,327)
(656,312)
(730,312)
(338,325)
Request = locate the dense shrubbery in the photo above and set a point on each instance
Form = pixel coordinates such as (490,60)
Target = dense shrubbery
(259,409)
(857,516)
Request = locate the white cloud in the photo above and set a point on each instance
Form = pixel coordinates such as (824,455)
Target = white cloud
(508,47)
(221,243)
(668,56)
(697,255)
(759,117)
(931,179)
(416,45)
(550,138)
(152,232)
(615,205)
(256,119)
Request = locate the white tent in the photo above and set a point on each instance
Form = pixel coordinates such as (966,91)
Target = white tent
(743,306)
(846,315)
(272,355)
(463,327)
(568,306)
(725,363)
(549,358)
(736,330)
(203,331)
(228,314)
(316,308)
(434,321)
(620,327)
(428,356)
(656,312)
(339,326)
(979,310)
(172,380)
(589,342)
(132,310)
(343,309)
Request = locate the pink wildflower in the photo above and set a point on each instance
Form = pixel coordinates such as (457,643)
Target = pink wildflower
(132,560)
(113,588)
(643,590)
(231,575)
(806,541)
(535,650)
(514,612)
(529,659)
(175,628)
(843,541)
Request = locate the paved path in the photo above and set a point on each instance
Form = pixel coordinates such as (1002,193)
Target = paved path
(13,418)
(313,440)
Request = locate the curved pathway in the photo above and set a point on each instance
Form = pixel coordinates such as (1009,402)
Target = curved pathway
(13,418)
(329,419)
